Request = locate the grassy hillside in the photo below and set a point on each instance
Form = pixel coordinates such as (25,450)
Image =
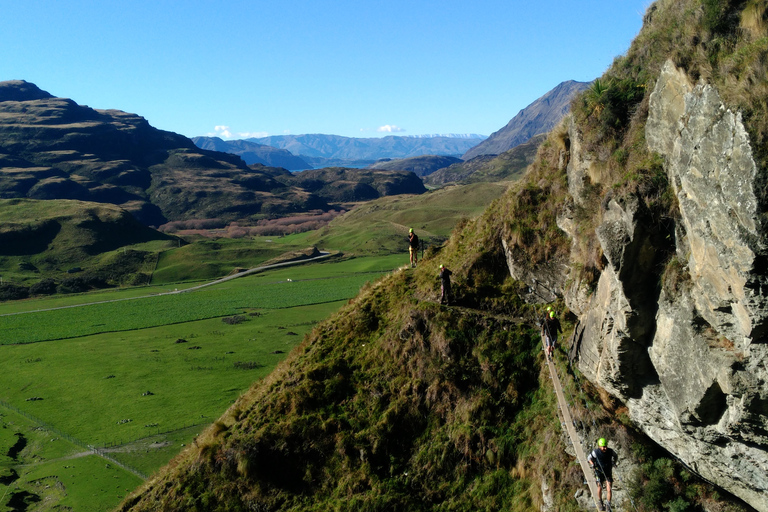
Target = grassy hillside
(43,240)
(398,403)
(392,404)
(381,226)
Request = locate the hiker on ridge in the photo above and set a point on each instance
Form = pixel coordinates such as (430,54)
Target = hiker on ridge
(445,285)
(549,329)
(413,247)
(602,459)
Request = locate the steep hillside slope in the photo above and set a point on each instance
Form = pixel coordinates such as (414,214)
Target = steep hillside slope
(539,117)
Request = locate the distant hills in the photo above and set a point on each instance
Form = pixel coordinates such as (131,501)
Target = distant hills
(253,153)
(43,241)
(341,185)
(53,148)
(421,154)
(326,150)
(508,165)
(419,165)
(539,117)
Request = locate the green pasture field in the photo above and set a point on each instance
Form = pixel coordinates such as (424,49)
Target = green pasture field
(74,299)
(270,290)
(57,469)
(95,388)
(142,377)
(209,259)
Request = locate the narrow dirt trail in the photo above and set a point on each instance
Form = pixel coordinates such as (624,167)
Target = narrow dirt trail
(567,421)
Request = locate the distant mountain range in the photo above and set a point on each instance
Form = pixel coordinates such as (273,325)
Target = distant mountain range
(253,153)
(539,117)
(319,150)
(299,152)
(322,150)
(502,156)
(448,136)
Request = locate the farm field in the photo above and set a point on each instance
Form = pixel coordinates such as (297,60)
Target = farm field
(141,377)
(57,473)
(210,259)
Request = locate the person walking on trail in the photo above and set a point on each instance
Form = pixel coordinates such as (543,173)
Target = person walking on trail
(413,247)
(445,285)
(602,459)
(549,329)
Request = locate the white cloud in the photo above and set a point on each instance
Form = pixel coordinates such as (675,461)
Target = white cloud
(221,131)
(225,132)
(253,135)
(390,128)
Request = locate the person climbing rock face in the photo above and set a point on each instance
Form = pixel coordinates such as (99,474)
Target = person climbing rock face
(602,459)
(413,247)
(445,285)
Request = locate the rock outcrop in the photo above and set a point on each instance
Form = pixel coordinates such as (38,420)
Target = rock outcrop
(686,351)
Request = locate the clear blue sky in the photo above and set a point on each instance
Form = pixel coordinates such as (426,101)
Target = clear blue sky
(343,67)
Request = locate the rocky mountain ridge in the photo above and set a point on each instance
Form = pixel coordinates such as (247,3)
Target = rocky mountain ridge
(539,117)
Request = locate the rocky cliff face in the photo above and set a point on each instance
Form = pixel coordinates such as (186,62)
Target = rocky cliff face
(686,351)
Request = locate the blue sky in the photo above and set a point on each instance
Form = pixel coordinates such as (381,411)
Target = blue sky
(358,68)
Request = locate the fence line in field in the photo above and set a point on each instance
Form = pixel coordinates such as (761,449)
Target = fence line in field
(93,449)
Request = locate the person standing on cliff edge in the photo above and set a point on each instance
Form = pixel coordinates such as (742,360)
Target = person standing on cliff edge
(413,247)
(445,285)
